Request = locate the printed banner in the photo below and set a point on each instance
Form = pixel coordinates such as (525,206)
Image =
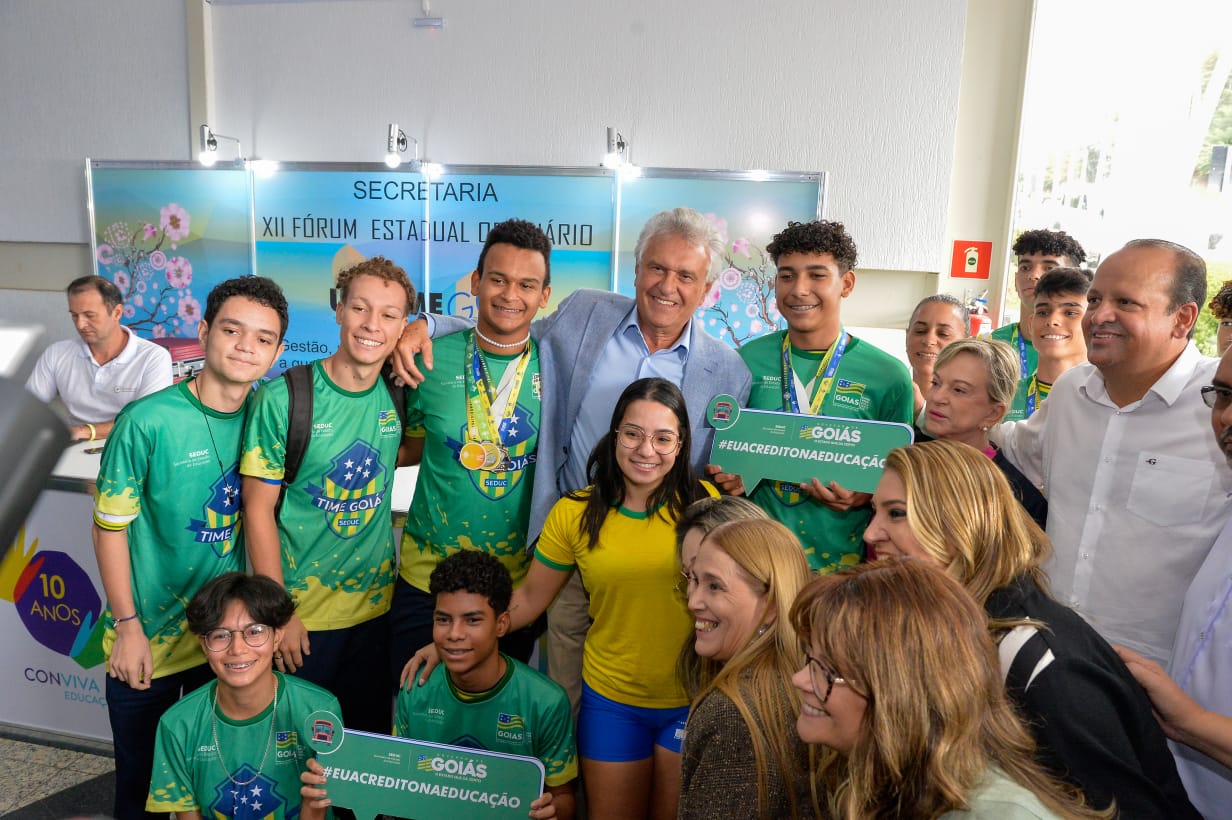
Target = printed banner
(375,774)
(748,208)
(51,633)
(166,233)
(761,444)
(166,237)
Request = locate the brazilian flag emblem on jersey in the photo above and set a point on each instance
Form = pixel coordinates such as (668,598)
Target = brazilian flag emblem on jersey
(351,492)
(259,798)
(219,514)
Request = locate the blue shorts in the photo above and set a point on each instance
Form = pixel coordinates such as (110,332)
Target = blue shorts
(617,733)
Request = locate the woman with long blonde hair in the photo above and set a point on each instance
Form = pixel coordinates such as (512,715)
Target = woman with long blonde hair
(946,503)
(901,682)
(740,757)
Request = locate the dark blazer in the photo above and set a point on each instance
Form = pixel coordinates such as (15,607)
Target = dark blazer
(1091,720)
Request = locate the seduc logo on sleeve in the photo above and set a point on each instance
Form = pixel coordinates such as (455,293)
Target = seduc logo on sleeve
(373,774)
(794,447)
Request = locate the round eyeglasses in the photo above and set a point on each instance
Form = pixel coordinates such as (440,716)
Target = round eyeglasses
(820,674)
(663,442)
(255,635)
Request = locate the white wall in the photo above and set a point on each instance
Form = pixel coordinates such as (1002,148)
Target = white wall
(106,80)
(868,91)
(865,90)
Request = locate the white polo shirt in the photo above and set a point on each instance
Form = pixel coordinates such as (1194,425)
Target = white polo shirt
(92,392)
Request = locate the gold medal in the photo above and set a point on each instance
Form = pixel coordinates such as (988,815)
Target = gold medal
(472,455)
(493,456)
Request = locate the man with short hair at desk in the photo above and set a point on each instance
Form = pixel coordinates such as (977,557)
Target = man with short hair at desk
(109,367)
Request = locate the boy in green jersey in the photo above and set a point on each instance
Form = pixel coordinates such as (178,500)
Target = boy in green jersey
(473,427)
(235,747)
(817,367)
(331,543)
(1056,326)
(167,520)
(1037,253)
(481,698)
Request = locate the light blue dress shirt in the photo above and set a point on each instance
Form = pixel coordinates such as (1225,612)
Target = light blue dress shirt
(625,359)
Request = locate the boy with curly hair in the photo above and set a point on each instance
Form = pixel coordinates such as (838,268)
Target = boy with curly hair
(818,368)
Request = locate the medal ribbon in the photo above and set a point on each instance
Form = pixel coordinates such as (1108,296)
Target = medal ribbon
(827,368)
(1033,389)
(1023,362)
(481,424)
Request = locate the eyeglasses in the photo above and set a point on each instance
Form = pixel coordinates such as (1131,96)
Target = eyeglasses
(255,635)
(819,673)
(662,442)
(1216,397)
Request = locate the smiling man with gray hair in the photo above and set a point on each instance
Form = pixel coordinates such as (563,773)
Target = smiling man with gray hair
(591,347)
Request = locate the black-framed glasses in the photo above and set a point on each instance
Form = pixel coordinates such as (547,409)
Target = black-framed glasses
(819,673)
(1216,396)
(663,442)
(255,635)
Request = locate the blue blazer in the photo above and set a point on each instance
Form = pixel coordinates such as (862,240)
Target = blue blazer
(570,341)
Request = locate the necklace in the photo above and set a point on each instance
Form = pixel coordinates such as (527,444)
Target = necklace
(501,345)
(208,428)
(268,741)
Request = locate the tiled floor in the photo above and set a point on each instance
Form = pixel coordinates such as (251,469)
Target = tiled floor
(33,772)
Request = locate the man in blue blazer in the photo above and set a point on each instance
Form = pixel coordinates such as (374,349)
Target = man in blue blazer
(593,346)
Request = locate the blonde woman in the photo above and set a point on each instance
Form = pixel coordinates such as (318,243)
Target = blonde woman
(901,682)
(947,504)
(740,756)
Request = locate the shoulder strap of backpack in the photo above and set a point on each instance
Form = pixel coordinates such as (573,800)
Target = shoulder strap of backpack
(299,425)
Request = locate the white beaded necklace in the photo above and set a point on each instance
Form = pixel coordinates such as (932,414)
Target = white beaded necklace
(502,345)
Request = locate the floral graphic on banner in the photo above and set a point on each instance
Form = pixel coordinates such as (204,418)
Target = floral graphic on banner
(741,305)
(141,259)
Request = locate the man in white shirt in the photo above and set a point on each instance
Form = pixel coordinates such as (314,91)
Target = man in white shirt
(1135,499)
(103,371)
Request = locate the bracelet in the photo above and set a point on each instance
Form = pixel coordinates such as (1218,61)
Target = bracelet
(93,436)
(117,621)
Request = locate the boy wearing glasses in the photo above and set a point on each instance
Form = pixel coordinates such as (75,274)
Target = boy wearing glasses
(818,368)
(473,427)
(167,519)
(235,747)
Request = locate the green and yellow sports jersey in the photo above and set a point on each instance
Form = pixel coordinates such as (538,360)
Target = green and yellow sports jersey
(455,508)
(869,384)
(524,714)
(169,478)
(335,525)
(192,772)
